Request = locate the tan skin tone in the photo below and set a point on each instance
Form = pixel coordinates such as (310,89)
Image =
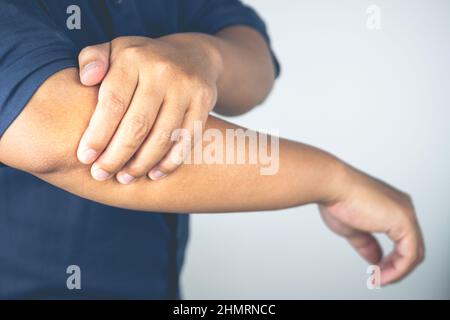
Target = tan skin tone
(45,138)
(150,87)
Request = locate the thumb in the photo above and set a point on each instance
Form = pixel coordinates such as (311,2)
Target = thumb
(94,63)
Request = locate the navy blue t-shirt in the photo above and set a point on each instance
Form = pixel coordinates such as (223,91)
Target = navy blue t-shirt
(44,230)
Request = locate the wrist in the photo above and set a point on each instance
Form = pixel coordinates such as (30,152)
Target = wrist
(204,51)
(337,182)
(210,45)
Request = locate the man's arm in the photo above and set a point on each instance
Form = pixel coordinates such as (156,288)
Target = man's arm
(249,71)
(44,138)
(163,84)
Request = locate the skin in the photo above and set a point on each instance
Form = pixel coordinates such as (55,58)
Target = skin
(151,87)
(44,140)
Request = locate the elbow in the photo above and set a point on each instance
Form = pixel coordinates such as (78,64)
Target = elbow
(30,146)
(234,111)
(45,136)
(47,160)
(37,160)
(55,162)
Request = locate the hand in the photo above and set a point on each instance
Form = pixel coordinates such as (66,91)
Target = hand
(369,205)
(149,88)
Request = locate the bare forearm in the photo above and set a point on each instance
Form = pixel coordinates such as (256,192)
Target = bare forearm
(305,175)
(44,139)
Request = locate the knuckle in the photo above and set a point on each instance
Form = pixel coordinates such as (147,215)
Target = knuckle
(407,197)
(193,81)
(162,138)
(138,126)
(119,39)
(129,145)
(407,201)
(409,213)
(120,43)
(177,158)
(406,208)
(131,53)
(205,92)
(207,95)
(405,212)
(164,68)
(115,103)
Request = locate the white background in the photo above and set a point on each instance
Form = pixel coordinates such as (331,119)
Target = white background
(378,99)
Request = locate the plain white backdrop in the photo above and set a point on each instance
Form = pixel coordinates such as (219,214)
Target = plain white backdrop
(379,99)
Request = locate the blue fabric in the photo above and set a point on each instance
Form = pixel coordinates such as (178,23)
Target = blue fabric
(43,230)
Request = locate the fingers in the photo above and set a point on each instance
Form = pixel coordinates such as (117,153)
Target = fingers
(182,147)
(115,94)
(364,243)
(131,133)
(158,142)
(367,246)
(407,254)
(94,63)
(195,118)
(403,230)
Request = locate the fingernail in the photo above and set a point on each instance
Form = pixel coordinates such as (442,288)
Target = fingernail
(156,174)
(100,174)
(125,178)
(88,68)
(88,156)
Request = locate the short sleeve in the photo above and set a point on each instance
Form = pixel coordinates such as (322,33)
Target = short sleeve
(31,50)
(210,16)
